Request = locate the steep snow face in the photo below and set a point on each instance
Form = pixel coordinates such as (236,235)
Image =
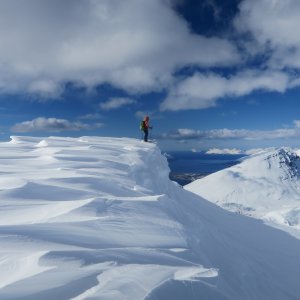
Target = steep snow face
(264,186)
(98,218)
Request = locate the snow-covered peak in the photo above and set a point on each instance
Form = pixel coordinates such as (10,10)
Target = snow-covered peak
(98,218)
(265,185)
(278,164)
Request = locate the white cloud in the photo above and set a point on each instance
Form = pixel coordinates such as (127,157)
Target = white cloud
(224,151)
(132,44)
(226,134)
(202,91)
(274,27)
(45,88)
(52,125)
(234,151)
(115,103)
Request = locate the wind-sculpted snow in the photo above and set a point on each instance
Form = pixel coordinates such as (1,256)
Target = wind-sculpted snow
(265,186)
(98,218)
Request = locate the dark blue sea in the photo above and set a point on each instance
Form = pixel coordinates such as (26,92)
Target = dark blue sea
(189,166)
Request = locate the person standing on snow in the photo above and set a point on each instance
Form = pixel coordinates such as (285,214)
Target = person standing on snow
(145,126)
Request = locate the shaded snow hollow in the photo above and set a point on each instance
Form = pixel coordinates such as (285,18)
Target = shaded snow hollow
(98,218)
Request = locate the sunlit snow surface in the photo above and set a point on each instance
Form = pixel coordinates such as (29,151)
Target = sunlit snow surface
(265,186)
(98,218)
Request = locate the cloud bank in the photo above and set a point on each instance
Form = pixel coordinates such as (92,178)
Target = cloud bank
(266,32)
(232,151)
(228,134)
(202,91)
(51,125)
(138,46)
(235,151)
(134,45)
(273,27)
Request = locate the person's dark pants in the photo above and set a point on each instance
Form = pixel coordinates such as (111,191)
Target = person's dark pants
(146,135)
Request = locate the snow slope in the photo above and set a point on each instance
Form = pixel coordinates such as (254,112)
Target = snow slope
(98,218)
(265,186)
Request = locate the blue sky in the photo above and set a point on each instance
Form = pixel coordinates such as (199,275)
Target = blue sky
(210,73)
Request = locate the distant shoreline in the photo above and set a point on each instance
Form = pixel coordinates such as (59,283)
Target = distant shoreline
(185,178)
(187,167)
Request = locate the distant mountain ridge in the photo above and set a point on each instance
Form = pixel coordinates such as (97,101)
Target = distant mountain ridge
(264,185)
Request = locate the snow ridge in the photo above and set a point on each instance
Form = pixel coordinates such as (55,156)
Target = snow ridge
(98,218)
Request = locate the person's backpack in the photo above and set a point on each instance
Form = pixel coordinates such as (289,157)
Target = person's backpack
(142,125)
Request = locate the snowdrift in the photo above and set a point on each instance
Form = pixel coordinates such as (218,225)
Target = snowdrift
(264,186)
(98,218)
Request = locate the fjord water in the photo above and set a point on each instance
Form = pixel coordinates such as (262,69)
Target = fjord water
(187,166)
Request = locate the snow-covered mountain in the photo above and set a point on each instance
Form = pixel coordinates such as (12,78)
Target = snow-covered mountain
(265,185)
(98,218)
